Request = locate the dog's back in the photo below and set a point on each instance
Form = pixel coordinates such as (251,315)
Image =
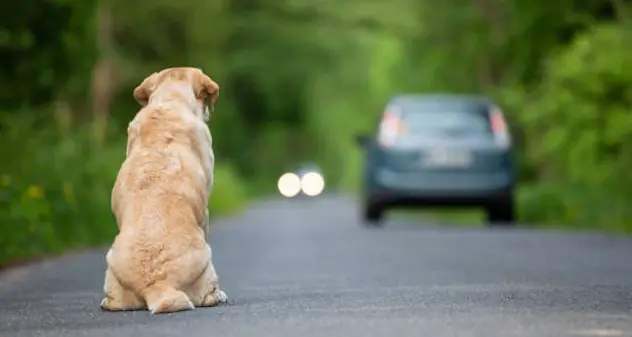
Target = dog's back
(160,199)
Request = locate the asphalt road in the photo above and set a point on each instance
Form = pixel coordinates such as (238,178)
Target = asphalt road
(308,269)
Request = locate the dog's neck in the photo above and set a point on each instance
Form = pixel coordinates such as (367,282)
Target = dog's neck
(179,93)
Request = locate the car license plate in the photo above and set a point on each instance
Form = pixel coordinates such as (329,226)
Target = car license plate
(446,158)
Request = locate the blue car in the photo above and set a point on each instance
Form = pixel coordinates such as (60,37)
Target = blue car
(439,150)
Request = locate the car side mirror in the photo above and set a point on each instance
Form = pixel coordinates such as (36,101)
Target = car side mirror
(362,140)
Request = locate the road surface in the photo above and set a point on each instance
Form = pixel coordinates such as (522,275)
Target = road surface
(308,269)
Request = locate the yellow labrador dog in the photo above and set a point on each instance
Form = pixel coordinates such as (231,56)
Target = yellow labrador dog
(160,260)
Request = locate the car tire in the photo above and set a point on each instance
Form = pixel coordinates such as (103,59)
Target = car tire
(501,212)
(372,215)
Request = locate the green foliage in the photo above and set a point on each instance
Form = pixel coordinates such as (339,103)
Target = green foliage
(576,206)
(39,42)
(55,191)
(580,119)
(587,88)
(298,80)
(229,193)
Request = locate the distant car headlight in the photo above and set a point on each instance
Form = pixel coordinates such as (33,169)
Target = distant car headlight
(312,184)
(289,185)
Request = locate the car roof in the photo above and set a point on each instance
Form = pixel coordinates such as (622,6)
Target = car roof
(438,98)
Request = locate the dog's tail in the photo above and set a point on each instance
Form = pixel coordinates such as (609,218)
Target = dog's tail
(162,298)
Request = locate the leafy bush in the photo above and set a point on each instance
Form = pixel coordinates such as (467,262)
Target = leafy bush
(55,191)
(579,127)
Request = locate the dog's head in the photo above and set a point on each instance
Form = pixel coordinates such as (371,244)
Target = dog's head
(202,85)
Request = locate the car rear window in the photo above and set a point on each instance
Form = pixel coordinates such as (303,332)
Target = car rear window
(445,119)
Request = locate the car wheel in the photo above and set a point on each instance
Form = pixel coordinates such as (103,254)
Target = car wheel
(501,212)
(373,215)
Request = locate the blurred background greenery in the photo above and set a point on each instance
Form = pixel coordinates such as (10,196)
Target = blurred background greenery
(299,78)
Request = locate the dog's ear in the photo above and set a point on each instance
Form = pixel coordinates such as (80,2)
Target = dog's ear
(144,90)
(205,87)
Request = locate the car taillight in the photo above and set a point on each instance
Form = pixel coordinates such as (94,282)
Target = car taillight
(499,127)
(390,127)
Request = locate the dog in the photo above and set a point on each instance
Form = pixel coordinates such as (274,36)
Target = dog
(160,260)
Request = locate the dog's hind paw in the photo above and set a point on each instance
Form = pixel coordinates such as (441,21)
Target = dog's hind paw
(214,298)
(220,296)
(104,304)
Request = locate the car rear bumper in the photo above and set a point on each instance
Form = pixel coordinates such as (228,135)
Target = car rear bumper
(440,189)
